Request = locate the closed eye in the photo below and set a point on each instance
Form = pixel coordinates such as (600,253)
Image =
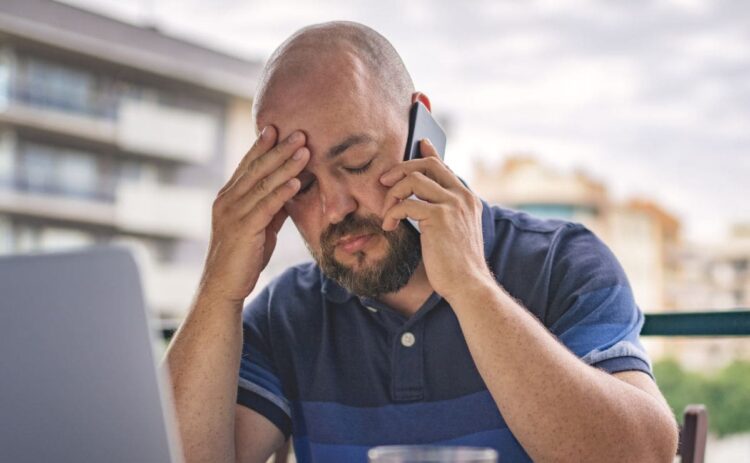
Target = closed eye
(359,170)
(306,182)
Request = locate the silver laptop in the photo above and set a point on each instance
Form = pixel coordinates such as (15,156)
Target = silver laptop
(78,377)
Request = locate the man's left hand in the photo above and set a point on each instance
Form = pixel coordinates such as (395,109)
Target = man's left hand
(449,216)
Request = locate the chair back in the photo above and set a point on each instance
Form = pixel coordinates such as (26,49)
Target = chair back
(693,434)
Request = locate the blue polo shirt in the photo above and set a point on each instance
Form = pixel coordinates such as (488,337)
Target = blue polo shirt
(343,374)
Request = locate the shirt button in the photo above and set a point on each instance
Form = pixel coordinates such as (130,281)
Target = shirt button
(371,309)
(408,339)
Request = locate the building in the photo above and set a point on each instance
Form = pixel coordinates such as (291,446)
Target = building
(666,274)
(115,133)
(715,277)
(639,232)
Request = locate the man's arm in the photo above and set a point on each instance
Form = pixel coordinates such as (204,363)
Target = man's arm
(204,356)
(203,361)
(558,407)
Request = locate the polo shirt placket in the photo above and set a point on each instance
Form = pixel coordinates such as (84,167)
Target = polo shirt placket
(407,346)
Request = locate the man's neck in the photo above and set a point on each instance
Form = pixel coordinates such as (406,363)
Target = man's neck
(411,297)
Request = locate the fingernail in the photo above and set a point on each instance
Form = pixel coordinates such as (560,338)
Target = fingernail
(264,132)
(295,137)
(298,154)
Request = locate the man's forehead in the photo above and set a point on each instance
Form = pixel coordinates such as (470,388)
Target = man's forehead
(325,117)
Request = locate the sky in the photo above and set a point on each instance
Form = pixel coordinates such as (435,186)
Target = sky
(650,97)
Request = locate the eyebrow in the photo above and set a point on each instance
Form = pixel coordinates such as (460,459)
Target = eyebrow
(350,141)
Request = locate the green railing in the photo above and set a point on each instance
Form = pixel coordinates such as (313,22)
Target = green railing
(724,323)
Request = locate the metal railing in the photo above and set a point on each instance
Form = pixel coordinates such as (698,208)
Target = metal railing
(691,324)
(719,323)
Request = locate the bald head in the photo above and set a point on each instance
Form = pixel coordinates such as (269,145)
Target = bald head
(334,53)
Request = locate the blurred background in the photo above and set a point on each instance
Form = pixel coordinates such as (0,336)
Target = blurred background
(120,120)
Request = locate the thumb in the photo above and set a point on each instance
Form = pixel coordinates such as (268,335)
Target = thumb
(277,221)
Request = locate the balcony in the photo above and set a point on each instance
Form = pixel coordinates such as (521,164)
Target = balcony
(142,128)
(56,207)
(163,210)
(152,210)
(177,134)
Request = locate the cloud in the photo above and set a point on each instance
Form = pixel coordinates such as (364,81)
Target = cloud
(652,96)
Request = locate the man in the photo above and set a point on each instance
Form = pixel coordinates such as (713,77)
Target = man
(490,328)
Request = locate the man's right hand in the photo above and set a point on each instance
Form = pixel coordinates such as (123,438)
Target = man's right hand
(248,213)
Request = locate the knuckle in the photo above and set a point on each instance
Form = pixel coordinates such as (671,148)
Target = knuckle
(432,162)
(254,164)
(219,204)
(262,185)
(475,202)
(455,200)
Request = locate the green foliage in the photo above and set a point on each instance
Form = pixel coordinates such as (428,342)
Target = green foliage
(726,394)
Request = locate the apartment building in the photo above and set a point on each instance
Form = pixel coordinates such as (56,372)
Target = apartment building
(641,234)
(115,133)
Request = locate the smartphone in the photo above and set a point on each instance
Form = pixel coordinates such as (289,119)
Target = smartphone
(422,125)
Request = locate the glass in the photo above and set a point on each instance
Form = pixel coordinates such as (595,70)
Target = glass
(431,454)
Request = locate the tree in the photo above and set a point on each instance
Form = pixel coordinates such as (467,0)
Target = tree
(725,394)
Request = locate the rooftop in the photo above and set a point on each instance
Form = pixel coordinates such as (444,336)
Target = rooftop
(67,27)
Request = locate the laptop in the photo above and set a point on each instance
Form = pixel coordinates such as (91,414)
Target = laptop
(79,380)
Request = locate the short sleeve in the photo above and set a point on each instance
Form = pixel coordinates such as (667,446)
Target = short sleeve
(592,309)
(259,386)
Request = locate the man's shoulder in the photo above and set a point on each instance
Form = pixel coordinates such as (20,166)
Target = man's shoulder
(526,223)
(526,234)
(297,289)
(538,259)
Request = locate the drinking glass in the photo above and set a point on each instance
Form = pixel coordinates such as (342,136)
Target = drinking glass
(430,454)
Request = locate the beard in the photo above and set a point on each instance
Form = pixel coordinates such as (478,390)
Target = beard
(388,275)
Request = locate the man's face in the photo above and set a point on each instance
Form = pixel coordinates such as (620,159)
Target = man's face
(354,137)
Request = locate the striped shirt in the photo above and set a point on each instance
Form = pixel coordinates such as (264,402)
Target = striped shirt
(343,374)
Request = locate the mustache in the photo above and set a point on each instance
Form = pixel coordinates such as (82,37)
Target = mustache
(350,225)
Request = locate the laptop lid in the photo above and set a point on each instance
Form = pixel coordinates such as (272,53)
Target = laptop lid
(78,378)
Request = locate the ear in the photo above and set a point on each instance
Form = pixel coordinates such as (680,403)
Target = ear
(422,98)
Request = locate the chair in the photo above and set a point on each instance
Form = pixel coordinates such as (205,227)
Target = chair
(693,433)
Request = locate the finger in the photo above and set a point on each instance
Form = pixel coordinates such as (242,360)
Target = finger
(267,209)
(278,221)
(420,185)
(265,186)
(263,143)
(427,149)
(408,208)
(430,166)
(268,162)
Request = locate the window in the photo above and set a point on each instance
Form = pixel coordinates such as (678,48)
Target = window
(6,235)
(77,174)
(53,238)
(6,160)
(38,169)
(49,84)
(47,169)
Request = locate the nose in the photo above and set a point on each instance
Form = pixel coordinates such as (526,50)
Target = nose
(337,201)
